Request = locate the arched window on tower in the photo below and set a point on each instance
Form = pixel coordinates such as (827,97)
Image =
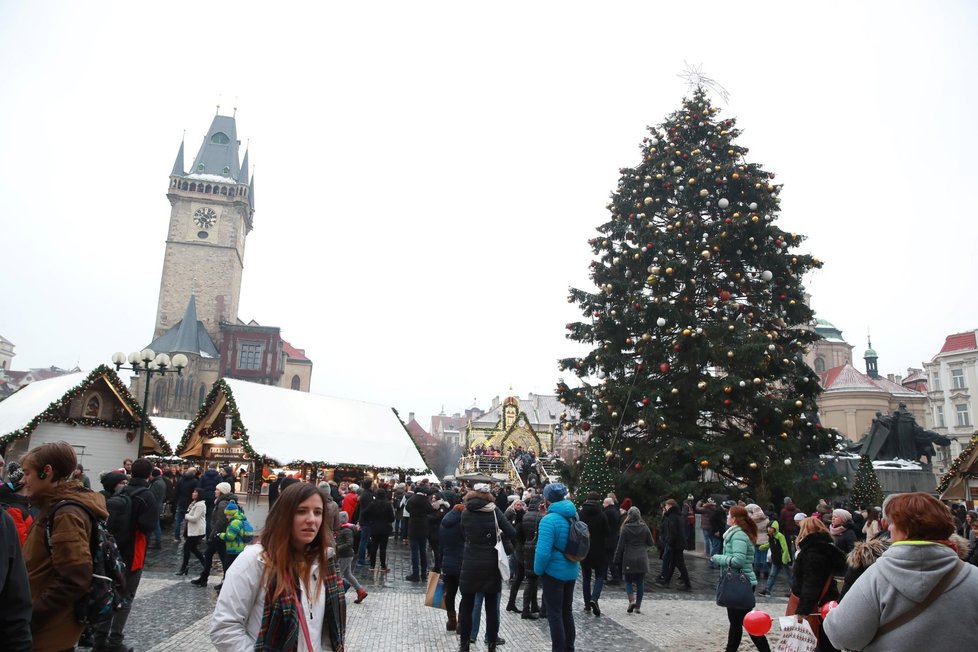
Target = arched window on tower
(819,365)
(185,186)
(224,190)
(207,188)
(193,187)
(220,138)
(201,394)
(215,191)
(158,395)
(296,382)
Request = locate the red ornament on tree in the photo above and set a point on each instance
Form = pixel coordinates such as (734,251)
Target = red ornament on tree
(814,477)
(638,466)
(585,426)
(724,295)
(664,367)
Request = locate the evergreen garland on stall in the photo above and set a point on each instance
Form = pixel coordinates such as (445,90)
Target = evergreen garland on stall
(955,468)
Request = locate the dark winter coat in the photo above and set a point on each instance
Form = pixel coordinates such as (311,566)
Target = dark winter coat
(480,570)
(419,506)
(718,521)
(633,547)
(788,525)
(847,540)
(15,618)
(672,532)
(451,540)
(613,516)
(502,501)
(344,541)
(818,559)
(208,483)
(379,517)
(526,536)
(592,514)
(864,554)
(158,488)
(185,487)
(145,516)
(219,520)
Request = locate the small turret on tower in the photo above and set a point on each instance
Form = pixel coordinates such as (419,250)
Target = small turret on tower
(870,358)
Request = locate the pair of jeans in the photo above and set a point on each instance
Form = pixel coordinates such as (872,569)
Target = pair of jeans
(775,569)
(364,543)
(346,572)
(599,573)
(109,633)
(178,517)
(470,611)
(158,534)
(419,556)
(736,632)
(558,595)
(760,562)
(378,541)
(672,560)
(635,587)
(714,545)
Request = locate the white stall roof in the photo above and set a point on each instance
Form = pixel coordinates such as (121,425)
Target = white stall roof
(23,405)
(288,425)
(171,429)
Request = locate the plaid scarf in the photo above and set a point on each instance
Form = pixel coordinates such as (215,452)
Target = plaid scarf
(280,629)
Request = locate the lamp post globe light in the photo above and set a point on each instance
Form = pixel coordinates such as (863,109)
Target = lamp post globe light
(149,362)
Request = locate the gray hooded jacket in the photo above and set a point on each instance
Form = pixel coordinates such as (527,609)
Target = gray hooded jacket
(902,577)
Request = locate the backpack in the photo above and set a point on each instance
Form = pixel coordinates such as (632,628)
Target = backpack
(578,540)
(107,592)
(119,521)
(247,530)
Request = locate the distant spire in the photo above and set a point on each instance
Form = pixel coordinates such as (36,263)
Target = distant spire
(178,163)
(870,357)
(243,177)
(218,154)
(251,191)
(235,112)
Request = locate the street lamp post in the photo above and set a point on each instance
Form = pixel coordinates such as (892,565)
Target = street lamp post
(151,363)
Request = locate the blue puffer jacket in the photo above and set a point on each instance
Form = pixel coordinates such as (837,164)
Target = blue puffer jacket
(452,542)
(554,528)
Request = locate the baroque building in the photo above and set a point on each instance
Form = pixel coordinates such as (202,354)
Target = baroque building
(212,210)
(951,375)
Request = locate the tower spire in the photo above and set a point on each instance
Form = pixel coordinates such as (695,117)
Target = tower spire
(178,163)
(871,358)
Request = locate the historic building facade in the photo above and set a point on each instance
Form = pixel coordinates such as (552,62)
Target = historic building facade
(952,375)
(212,209)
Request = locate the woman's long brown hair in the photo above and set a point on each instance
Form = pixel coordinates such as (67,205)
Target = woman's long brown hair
(745,522)
(282,562)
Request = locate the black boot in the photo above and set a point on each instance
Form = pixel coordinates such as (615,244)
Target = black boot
(463,645)
(182,571)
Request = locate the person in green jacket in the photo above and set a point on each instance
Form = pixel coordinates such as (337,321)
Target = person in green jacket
(234,536)
(738,553)
(780,556)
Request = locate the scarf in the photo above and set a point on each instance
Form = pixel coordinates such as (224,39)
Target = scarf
(837,531)
(280,629)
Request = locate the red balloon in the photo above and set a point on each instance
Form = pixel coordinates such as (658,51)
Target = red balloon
(757,623)
(827,607)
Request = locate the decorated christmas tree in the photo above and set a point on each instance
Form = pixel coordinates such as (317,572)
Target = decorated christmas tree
(866,490)
(698,324)
(597,474)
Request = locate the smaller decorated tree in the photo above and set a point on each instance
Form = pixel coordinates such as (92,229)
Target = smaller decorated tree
(866,490)
(597,475)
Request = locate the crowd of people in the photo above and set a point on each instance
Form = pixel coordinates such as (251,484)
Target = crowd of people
(285,587)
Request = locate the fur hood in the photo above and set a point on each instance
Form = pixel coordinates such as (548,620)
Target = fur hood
(865,553)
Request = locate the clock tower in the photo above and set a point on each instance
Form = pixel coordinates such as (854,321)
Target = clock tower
(211,213)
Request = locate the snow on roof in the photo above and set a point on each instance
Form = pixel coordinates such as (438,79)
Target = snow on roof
(287,425)
(213,178)
(171,429)
(21,407)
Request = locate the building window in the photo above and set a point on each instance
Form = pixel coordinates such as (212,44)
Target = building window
(296,382)
(220,138)
(201,394)
(963,415)
(937,381)
(939,416)
(249,356)
(819,365)
(93,407)
(957,378)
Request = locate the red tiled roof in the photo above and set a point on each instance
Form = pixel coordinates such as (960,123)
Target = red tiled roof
(420,435)
(960,342)
(847,377)
(292,352)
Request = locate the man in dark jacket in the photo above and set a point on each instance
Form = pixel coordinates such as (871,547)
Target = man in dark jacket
(718,525)
(592,514)
(145,516)
(365,496)
(526,536)
(205,487)
(420,508)
(157,487)
(216,524)
(15,617)
(613,516)
(789,528)
(185,488)
(672,539)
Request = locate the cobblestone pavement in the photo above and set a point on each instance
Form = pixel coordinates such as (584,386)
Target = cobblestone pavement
(170,614)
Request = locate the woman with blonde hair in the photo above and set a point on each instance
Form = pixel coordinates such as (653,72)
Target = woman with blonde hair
(738,553)
(819,561)
(284,593)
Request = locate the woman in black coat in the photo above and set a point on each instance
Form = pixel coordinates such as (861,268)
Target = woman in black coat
(451,541)
(816,566)
(597,557)
(480,565)
(526,538)
(379,517)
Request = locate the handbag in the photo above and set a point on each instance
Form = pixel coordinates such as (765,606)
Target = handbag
(815,619)
(734,590)
(435,594)
(796,637)
(502,557)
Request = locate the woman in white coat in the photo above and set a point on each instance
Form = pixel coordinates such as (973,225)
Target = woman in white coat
(284,594)
(196,523)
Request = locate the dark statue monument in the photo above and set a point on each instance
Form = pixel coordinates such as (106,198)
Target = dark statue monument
(899,436)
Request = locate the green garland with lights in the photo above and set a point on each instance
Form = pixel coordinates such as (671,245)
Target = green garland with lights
(54,412)
(240,434)
(955,467)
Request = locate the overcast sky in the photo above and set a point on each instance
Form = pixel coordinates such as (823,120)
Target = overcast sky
(428,174)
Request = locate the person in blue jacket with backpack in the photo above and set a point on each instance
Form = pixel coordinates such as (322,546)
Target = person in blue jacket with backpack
(557,573)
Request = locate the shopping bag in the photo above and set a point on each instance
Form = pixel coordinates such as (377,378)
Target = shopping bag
(796,636)
(434,596)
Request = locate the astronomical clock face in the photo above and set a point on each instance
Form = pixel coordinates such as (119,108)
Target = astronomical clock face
(205,217)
